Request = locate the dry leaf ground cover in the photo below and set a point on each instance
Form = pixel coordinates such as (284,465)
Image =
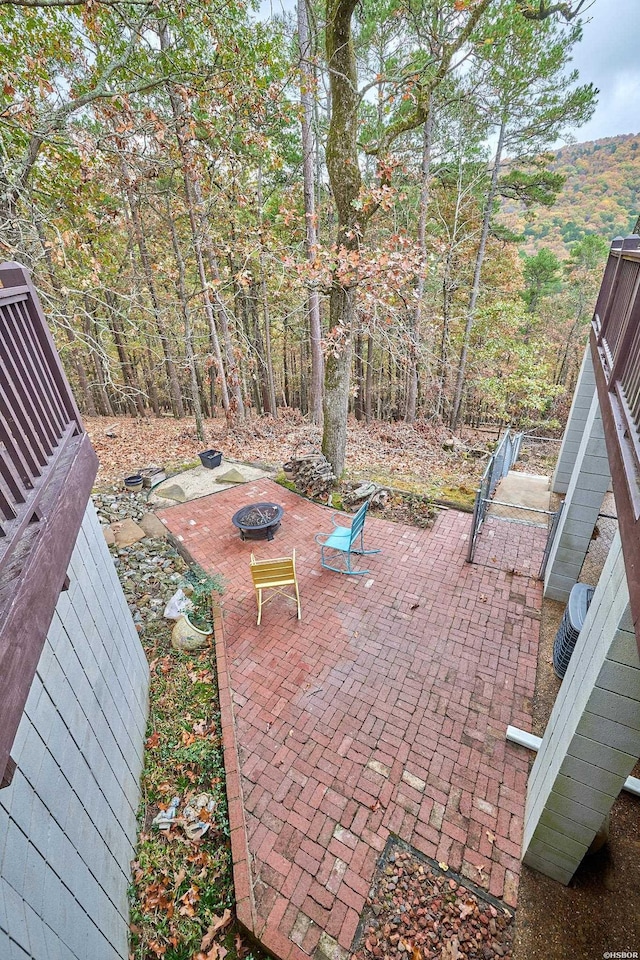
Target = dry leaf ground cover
(420,910)
(408,456)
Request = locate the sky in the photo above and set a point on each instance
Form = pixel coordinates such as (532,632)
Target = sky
(607,56)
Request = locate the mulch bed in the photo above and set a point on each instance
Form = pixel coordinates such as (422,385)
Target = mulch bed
(418,910)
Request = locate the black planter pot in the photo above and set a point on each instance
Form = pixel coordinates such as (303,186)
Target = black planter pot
(210,458)
(134,482)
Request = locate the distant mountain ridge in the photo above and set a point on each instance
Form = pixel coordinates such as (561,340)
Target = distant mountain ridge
(601,195)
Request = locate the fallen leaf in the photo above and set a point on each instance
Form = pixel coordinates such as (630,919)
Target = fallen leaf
(189,902)
(466,909)
(219,923)
(491,837)
(416,953)
(179,877)
(450,950)
(375,806)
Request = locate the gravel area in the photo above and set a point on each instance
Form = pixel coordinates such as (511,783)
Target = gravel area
(418,910)
(150,570)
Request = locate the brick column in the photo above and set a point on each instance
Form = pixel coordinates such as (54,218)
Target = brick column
(580,406)
(592,740)
(588,484)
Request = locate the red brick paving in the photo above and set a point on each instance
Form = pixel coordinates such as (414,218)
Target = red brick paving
(382,711)
(509,545)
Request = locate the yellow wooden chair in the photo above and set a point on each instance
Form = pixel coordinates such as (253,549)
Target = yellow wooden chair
(274,575)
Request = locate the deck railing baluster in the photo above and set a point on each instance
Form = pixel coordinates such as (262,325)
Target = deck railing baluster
(51,388)
(51,424)
(43,445)
(615,347)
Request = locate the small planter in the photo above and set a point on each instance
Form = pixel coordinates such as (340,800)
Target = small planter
(185,636)
(210,458)
(134,482)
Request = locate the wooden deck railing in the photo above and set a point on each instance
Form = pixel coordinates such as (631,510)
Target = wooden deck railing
(47,468)
(615,345)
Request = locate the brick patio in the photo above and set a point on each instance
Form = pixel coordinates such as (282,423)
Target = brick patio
(382,711)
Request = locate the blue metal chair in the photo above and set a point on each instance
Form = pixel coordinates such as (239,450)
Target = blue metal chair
(342,540)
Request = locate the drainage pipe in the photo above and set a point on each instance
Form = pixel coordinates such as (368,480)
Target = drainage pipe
(528,740)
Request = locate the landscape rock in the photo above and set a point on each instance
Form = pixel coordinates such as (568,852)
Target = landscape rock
(153,527)
(232,476)
(174,492)
(126,532)
(108,534)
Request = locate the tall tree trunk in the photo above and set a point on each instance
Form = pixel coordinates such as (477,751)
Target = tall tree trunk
(189,181)
(206,297)
(369,380)
(358,402)
(444,338)
(307,85)
(188,335)
(337,380)
(246,306)
(222,315)
(76,360)
(175,393)
(416,316)
(345,178)
(304,380)
(286,393)
(152,388)
(477,273)
(268,359)
(91,336)
(258,343)
(134,393)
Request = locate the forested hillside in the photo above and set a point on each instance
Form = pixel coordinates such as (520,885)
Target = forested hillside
(601,195)
(230,214)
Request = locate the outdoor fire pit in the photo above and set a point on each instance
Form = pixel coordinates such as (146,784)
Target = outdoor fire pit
(258,521)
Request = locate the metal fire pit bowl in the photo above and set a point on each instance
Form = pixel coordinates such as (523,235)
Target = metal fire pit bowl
(258,521)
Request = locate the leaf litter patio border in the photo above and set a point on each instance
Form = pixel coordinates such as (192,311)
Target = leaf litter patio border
(418,910)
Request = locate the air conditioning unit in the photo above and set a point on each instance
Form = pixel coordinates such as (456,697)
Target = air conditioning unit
(569,629)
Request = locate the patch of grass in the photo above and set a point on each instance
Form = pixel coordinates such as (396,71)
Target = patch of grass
(282,479)
(464,495)
(181,887)
(439,488)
